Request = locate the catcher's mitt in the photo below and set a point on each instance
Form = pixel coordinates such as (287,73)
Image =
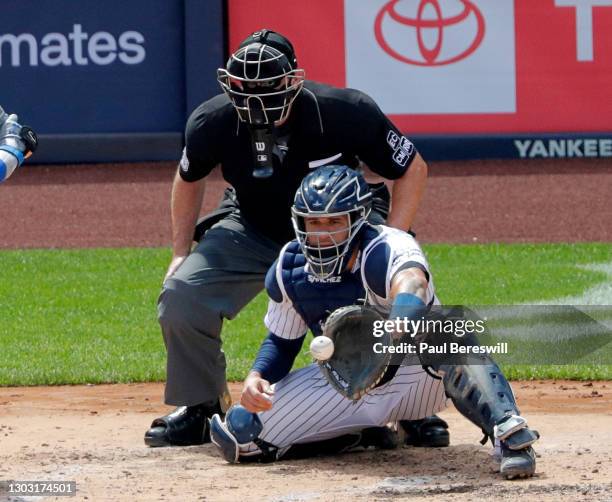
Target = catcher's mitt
(354,368)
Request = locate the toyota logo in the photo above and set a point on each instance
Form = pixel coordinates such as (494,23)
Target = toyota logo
(429,23)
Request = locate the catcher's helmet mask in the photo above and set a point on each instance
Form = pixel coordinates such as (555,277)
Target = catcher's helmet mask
(330,191)
(262,79)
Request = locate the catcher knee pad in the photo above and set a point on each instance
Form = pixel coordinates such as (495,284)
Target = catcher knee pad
(237,432)
(483,395)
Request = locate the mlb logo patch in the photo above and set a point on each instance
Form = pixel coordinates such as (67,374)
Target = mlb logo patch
(184,163)
(432,56)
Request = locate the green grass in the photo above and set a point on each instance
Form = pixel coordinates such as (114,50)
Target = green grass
(76,316)
(80,316)
(503,274)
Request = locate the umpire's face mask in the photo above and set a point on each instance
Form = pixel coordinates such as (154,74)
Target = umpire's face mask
(264,102)
(262,85)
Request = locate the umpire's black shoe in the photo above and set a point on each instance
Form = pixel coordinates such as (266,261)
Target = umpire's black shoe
(430,432)
(185,426)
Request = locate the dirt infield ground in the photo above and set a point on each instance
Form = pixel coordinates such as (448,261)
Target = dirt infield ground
(128,205)
(94,434)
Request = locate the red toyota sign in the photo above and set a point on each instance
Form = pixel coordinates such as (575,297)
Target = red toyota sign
(456,66)
(421,24)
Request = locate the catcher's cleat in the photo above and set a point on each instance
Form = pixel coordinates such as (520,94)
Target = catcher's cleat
(222,437)
(237,437)
(517,463)
(382,438)
(185,426)
(429,432)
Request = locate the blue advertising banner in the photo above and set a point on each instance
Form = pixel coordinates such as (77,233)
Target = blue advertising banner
(519,146)
(205,49)
(106,68)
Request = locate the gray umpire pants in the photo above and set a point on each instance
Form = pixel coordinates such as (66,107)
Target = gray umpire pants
(225,271)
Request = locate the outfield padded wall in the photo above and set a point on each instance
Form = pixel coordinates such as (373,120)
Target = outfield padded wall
(116,80)
(112,80)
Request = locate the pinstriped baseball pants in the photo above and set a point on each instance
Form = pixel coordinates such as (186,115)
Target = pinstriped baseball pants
(306,408)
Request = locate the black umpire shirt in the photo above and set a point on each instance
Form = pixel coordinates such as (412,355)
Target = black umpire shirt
(326,125)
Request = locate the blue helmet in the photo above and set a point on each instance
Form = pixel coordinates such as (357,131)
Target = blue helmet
(329,191)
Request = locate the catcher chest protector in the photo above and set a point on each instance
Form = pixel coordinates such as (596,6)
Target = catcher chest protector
(314,300)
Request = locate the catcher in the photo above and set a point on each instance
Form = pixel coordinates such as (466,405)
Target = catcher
(17,143)
(337,260)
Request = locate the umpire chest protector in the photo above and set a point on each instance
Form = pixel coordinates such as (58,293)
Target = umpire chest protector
(313,298)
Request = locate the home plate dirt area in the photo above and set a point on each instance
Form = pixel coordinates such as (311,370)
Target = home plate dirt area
(94,435)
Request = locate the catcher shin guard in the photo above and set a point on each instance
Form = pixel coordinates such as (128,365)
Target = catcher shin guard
(238,436)
(483,395)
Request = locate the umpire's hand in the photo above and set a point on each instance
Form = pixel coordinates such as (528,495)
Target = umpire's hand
(256,393)
(174,265)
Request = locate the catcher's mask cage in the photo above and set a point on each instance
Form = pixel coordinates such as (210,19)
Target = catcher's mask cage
(261,82)
(330,191)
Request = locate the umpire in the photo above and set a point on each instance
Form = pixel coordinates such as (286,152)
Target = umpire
(267,129)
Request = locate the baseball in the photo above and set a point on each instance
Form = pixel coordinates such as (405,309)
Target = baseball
(321,348)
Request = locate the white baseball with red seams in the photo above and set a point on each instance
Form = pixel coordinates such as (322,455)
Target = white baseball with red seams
(322,348)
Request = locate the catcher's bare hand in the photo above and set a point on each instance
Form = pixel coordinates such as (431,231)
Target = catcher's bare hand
(256,394)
